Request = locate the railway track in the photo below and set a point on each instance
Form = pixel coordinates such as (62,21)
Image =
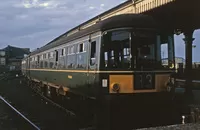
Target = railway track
(38,109)
(24,121)
(71,113)
(63,106)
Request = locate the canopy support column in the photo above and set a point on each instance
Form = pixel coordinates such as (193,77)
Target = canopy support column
(188,68)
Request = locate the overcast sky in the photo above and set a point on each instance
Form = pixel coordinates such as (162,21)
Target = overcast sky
(33,23)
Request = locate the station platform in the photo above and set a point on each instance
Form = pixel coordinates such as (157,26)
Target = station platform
(176,127)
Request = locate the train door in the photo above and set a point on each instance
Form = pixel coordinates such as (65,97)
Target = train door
(38,61)
(26,67)
(92,62)
(56,62)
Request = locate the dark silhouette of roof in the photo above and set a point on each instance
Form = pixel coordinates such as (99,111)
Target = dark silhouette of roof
(15,52)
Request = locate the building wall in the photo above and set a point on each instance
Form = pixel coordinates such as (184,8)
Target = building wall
(2,53)
(2,61)
(2,57)
(11,57)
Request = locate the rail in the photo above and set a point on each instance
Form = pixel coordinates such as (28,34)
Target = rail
(36,127)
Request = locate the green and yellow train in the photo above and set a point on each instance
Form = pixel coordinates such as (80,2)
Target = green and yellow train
(121,55)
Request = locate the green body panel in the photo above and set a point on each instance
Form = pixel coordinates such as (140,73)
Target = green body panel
(81,83)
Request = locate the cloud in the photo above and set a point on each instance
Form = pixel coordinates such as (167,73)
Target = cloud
(102,5)
(33,23)
(91,7)
(36,4)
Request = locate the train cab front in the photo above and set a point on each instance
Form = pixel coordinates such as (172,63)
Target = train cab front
(135,67)
(136,64)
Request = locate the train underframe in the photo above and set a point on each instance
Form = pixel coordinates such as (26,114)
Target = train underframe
(117,111)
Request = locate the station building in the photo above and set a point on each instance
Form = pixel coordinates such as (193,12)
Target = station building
(11,57)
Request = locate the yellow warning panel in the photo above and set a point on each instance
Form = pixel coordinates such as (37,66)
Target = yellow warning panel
(121,83)
(161,81)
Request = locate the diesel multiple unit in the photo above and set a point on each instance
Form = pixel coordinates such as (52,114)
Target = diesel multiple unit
(121,55)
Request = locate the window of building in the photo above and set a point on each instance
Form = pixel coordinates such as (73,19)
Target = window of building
(2,53)
(2,61)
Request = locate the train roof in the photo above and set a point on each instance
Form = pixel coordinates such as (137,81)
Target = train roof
(124,20)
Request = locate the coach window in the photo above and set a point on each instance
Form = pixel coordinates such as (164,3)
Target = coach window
(117,49)
(41,57)
(93,53)
(37,60)
(51,54)
(71,62)
(71,50)
(45,64)
(68,50)
(56,55)
(80,47)
(62,52)
(44,55)
(47,55)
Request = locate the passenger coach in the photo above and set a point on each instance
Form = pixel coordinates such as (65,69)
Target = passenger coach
(121,55)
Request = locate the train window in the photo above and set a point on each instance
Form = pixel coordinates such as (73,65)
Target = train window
(32,59)
(93,53)
(63,52)
(35,58)
(80,47)
(41,57)
(45,64)
(56,56)
(106,58)
(41,64)
(51,54)
(48,55)
(93,49)
(51,64)
(71,50)
(44,55)
(117,50)
(68,50)
(166,51)
(80,61)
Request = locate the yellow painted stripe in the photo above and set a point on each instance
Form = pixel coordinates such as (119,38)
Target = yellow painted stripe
(92,71)
(81,71)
